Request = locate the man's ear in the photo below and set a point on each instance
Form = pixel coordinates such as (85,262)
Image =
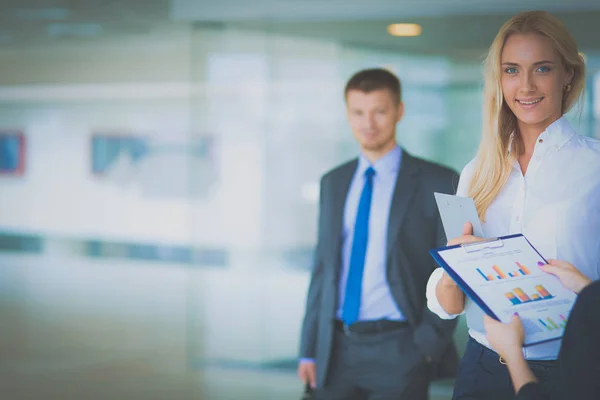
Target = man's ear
(400,111)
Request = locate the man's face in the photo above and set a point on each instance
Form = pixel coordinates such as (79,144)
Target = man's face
(373,117)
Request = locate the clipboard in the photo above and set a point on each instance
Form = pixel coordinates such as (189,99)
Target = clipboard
(490,274)
(454,212)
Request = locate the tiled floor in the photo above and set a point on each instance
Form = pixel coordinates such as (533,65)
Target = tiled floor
(84,330)
(152,378)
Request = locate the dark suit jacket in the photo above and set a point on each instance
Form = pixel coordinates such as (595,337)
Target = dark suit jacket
(414,228)
(579,357)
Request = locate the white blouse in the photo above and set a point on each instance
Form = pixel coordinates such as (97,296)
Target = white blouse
(556,205)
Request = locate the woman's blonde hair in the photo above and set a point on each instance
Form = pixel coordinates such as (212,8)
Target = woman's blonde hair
(494,161)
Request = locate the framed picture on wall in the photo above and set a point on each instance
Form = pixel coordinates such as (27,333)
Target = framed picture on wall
(12,153)
(159,165)
(111,149)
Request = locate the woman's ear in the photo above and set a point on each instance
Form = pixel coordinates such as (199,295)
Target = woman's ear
(570,75)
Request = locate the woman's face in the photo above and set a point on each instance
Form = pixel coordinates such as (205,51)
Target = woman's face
(533,80)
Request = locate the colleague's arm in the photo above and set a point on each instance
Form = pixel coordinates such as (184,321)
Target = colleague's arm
(308,339)
(580,351)
(507,340)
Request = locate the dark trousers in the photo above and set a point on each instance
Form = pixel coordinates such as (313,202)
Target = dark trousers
(482,376)
(381,366)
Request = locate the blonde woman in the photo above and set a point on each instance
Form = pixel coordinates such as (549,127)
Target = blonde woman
(533,175)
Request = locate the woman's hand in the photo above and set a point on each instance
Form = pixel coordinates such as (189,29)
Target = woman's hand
(467,236)
(505,339)
(449,295)
(570,276)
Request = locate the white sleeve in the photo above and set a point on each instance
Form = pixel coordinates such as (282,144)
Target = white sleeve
(465,179)
(432,301)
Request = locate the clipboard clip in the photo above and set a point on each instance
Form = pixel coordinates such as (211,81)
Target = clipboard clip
(491,243)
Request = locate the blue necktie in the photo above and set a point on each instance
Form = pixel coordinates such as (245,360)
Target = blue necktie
(352,296)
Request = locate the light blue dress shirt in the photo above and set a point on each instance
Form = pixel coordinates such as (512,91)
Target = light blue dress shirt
(376,298)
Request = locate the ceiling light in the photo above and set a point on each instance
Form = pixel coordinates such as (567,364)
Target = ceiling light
(404,29)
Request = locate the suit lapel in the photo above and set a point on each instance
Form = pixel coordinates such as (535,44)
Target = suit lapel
(406,185)
(339,193)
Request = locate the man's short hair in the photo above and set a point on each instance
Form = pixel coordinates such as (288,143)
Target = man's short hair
(372,79)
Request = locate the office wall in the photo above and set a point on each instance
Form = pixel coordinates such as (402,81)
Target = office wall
(270,111)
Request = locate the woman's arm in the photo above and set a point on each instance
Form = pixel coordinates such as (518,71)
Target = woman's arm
(520,373)
(449,295)
(569,276)
(507,340)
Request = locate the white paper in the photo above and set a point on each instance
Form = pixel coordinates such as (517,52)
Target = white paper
(508,279)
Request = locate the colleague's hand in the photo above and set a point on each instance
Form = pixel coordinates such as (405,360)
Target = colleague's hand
(505,339)
(307,372)
(570,276)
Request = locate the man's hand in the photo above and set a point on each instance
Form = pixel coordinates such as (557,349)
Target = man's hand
(569,276)
(307,372)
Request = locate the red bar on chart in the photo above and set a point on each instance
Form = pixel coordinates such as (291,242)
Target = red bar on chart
(563,318)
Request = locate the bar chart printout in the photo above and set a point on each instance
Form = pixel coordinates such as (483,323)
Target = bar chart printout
(505,278)
(499,274)
(518,296)
(549,323)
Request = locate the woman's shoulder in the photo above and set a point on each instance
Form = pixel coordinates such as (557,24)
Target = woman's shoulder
(586,143)
(465,177)
(469,169)
(585,153)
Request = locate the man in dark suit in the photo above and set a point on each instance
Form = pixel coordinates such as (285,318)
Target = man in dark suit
(367,332)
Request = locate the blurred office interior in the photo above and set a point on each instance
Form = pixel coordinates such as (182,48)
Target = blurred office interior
(159,169)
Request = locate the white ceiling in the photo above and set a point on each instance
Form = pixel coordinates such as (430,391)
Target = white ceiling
(449,26)
(461,35)
(339,10)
